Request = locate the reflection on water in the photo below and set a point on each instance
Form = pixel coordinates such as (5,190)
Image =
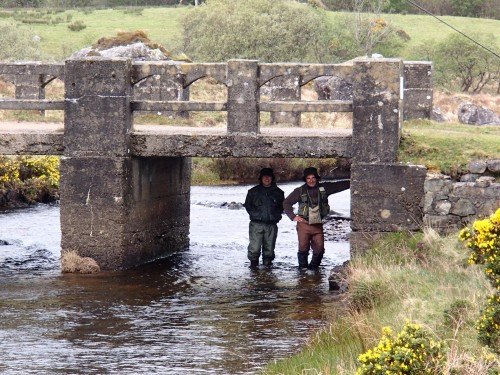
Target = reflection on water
(198,311)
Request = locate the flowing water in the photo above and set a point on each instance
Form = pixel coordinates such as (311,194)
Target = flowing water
(199,311)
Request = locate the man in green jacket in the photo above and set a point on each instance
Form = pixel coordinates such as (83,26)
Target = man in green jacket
(312,198)
(264,204)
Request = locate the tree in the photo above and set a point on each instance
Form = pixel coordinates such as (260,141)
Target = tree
(364,32)
(268,30)
(459,60)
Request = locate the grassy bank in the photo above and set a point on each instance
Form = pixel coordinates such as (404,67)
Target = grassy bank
(447,147)
(163,26)
(419,277)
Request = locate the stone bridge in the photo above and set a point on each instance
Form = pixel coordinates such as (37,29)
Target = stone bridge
(125,187)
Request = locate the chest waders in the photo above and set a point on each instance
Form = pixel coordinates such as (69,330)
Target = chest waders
(306,202)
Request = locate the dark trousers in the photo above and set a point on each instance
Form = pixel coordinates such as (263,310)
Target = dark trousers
(262,236)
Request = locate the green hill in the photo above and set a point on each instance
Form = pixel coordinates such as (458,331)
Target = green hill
(163,26)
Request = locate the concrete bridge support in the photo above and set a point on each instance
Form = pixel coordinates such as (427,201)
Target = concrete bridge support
(115,208)
(385,195)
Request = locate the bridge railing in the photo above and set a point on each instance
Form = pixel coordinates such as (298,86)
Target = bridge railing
(242,79)
(30,80)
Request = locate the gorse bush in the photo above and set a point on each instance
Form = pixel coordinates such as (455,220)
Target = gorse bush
(488,326)
(483,240)
(32,179)
(267,30)
(412,351)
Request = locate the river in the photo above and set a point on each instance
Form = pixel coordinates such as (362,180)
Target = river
(199,311)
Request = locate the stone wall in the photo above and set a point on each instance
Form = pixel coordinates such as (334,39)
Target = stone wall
(448,205)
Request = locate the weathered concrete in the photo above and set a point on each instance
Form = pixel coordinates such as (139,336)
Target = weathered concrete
(418,89)
(116,209)
(285,88)
(31,139)
(386,197)
(242,96)
(209,142)
(376,110)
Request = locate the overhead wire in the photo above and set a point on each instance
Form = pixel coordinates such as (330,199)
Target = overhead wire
(452,27)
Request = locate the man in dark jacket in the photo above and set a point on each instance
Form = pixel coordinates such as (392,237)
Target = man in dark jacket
(264,204)
(312,198)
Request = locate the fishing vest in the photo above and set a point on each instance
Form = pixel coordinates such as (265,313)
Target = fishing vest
(305,202)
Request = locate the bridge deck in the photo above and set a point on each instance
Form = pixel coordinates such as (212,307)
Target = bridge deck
(161,140)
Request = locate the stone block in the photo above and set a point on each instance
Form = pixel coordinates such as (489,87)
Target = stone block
(243,96)
(376,110)
(418,74)
(95,76)
(477,166)
(285,88)
(376,133)
(443,224)
(493,165)
(386,197)
(463,207)
(417,103)
(443,207)
(97,126)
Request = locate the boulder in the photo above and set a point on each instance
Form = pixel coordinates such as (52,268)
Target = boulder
(333,88)
(337,280)
(472,114)
(438,115)
(493,165)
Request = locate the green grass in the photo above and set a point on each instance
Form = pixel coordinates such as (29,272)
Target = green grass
(58,42)
(422,277)
(163,26)
(422,28)
(447,147)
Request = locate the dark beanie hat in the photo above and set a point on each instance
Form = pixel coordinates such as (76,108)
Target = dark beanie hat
(266,172)
(311,170)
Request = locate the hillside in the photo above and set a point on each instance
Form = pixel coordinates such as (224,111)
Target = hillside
(163,26)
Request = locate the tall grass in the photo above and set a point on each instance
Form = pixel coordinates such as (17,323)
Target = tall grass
(419,277)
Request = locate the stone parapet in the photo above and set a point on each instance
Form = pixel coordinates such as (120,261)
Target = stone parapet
(376,110)
(417,89)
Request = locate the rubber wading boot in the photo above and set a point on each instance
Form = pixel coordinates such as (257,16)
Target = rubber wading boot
(315,261)
(267,262)
(302,257)
(254,264)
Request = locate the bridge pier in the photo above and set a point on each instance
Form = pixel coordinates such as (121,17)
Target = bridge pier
(385,195)
(118,209)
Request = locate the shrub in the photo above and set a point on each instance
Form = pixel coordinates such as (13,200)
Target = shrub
(412,351)
(488,326)
(459,61)
(17,43)
(33,179)
(77,25)
(457,313)
(268,30)
(359,34)
(483,240)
